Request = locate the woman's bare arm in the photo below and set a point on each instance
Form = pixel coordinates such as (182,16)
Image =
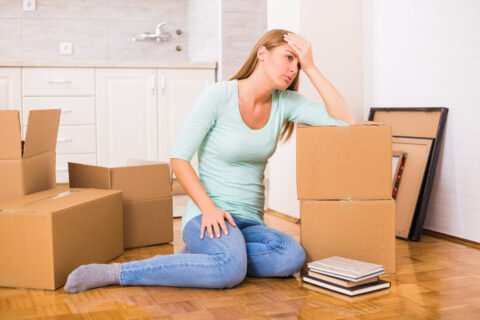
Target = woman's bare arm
(212,217)
(334,102)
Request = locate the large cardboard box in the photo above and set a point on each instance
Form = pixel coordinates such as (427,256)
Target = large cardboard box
(344,163)
(147,198)
(44,236)
(362,230)
(30,167)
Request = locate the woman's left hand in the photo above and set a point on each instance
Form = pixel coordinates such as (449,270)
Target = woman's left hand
(302,48)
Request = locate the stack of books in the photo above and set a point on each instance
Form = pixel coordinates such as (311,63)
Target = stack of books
(346,276)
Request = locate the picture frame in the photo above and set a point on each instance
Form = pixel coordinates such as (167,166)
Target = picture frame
(398,163)
(411,122)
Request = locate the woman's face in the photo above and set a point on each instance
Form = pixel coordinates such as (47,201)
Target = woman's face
(280,65)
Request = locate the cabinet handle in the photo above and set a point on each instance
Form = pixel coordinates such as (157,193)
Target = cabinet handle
(152,83)
(65,110)
(162,82)
(64,140)
(59,81)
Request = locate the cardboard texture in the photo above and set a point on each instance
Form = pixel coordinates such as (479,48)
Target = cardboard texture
(44,236)
(147,198)
(417,123)
(336,163)
(362,230)
(31,168)
(418,151)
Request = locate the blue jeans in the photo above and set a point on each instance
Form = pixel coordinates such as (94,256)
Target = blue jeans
(248,249)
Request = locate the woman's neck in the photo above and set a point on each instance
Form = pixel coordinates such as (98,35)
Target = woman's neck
(255,89)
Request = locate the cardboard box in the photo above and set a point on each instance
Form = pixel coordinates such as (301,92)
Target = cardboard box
(30,167)
(344,163)
(362,230)
(44,236)
(147,198)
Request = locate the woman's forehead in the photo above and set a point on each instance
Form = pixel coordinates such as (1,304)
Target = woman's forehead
(285,47)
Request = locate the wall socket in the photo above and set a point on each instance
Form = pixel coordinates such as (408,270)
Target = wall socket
(66,48)
(29,5)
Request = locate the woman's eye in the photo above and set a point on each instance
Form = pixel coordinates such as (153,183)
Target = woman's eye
(289,57)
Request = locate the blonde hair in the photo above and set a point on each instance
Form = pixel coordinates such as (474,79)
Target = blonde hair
(269,40)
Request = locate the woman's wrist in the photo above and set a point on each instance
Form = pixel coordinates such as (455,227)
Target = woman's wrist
(310,69)
(208,210)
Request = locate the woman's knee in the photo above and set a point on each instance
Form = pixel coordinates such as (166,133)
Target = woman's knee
(231,272)
(295,257)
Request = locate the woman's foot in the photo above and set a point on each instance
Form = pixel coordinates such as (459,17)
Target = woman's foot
(93,276)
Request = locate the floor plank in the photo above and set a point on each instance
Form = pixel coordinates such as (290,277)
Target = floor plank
(436,279)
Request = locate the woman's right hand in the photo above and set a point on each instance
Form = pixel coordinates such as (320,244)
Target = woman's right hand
(214,219)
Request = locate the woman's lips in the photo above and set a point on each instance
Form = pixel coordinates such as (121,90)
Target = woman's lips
(288,78)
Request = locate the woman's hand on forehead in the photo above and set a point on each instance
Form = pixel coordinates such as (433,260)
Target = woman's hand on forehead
(302,48)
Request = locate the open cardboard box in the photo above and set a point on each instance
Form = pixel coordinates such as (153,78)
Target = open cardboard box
(147,197)
(415,123)
(342,163)
(46,235)
(29,167)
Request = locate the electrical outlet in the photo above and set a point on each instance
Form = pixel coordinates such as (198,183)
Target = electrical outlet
(29,5)
(66,48)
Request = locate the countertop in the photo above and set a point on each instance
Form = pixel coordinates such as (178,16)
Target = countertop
(112,64)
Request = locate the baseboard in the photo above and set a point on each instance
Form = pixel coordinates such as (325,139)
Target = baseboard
(437,234)
(282,216)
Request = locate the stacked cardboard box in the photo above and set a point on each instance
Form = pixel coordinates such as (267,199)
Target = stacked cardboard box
(46,233)
(344,182)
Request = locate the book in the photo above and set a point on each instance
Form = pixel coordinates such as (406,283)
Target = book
(340,282)
(341,296)
(347,269)
(349,291)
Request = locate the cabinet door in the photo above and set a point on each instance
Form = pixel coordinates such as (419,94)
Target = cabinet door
(126,115)
(10,93)
(178,91)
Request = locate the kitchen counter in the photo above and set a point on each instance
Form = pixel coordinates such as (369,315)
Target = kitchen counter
(112,64)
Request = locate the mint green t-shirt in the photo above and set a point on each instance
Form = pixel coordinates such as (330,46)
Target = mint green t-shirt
(231,156)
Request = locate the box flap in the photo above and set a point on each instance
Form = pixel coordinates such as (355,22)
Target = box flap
(88,176)
(411,123)
(10,136)
(142,182)
(42,132)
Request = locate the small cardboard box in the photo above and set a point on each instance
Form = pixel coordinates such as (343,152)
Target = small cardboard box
(46,235)
(362,230)
(344,163)
(147,198)
(30,167)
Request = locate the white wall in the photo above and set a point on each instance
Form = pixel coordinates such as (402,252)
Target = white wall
(335,30)
(427,53)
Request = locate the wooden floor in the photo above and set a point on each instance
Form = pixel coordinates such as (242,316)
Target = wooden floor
(436,279)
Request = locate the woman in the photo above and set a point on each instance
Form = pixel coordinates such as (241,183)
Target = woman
(235,126)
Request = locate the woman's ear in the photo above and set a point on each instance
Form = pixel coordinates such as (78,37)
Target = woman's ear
(261,52)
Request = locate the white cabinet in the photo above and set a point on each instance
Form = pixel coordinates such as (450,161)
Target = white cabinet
(108,114)
(126,115)
(140,111)
(180,90)
(10,88)
(73,91)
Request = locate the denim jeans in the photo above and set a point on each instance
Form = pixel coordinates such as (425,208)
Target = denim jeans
(248,249)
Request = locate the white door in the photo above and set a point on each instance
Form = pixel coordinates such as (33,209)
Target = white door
(178,91)
(126,101)
(10,92)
